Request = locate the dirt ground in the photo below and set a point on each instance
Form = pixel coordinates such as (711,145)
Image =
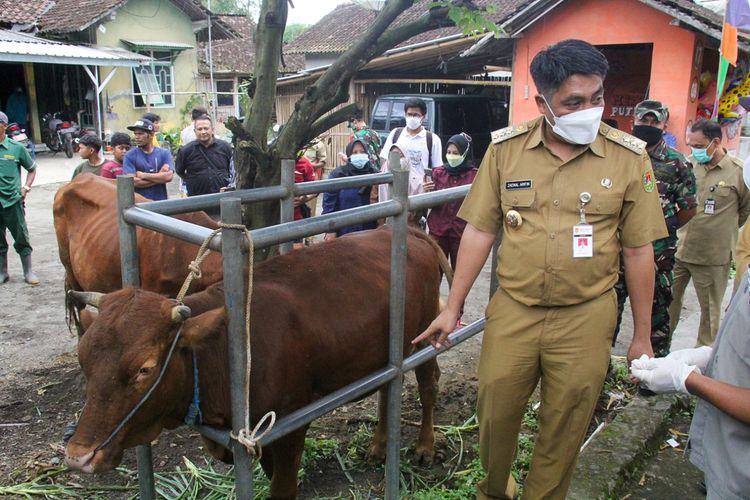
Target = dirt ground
(41,385)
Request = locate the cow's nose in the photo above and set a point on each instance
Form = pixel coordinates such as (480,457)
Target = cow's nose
(81,463)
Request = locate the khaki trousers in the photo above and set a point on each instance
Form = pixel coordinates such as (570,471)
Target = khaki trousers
(710,283)
(568,348)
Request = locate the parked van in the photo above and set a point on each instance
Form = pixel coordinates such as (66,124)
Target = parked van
(447,115)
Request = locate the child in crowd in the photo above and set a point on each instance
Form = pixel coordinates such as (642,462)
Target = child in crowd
(121,144)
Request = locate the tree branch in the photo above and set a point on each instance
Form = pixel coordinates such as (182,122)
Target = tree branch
(332,119)
(268,40)
(330,89)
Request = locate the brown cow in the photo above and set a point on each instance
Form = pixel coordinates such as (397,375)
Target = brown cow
(299,353)
(86,224)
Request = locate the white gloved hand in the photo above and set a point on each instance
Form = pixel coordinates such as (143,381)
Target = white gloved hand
(662,375)
(698,356)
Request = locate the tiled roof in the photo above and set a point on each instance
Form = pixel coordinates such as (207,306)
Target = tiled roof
(338,30)
(237,57)
(239,23)
(75,15)
(23,12)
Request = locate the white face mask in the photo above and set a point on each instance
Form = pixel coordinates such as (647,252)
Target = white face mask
(579,127)
(413,122)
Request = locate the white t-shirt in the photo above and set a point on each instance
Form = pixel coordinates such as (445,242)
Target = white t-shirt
(188,134)
(415,149)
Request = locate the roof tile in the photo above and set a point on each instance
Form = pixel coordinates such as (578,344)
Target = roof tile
(23,12)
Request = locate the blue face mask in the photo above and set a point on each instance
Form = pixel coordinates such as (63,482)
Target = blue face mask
(359,160)
(701,154)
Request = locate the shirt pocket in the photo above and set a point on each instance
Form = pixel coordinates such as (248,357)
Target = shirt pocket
(518,200)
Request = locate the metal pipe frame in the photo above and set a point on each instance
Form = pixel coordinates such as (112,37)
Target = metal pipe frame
(351,392)
(397,304)
(154,215)
(235,267)
(287,202)
(131,276)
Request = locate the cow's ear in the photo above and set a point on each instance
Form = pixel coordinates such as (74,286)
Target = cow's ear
(87,317)
(202,328)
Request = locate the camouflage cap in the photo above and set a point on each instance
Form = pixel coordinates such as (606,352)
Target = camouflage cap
(650,106)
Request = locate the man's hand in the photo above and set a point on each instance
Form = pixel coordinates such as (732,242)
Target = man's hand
(300,200)
(662,375)
(438,331)
(640,348)
(164,168)
(429,186)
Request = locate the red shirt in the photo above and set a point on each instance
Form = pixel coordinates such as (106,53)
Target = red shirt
(442,220)
(303,172)
(111,169)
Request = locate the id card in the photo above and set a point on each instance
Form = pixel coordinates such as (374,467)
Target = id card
(709,206)
(583,241)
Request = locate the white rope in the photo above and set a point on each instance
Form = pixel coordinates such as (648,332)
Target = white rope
(246,436)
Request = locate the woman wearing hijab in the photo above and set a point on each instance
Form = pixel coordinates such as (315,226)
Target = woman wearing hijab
(358,163)
(458,170)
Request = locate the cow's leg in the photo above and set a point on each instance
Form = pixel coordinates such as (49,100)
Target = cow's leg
(428,375)
(377,448)
(286,457)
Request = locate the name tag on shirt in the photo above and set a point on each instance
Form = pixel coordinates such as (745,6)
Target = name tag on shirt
(583,241)
(709,206)
(524,184)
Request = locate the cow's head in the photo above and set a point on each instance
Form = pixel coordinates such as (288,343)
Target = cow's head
(122,351)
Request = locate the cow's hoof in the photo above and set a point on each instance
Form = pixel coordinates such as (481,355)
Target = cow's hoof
(376,453)
(424,455)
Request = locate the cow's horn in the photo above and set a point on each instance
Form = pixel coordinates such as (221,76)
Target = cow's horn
(90,298)
(180,313)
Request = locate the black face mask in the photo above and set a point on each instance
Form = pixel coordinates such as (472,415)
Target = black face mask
(651,135)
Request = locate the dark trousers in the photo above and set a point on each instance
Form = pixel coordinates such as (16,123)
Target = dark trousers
(14,219)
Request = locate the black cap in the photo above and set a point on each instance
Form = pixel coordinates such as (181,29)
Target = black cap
(142,124)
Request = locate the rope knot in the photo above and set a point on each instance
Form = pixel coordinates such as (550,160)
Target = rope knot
(249,438)
(195,269)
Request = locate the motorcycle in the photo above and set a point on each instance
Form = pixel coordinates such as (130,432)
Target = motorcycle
(58,134)
(15,132)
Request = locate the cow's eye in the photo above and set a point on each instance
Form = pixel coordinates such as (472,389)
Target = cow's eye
(144,371)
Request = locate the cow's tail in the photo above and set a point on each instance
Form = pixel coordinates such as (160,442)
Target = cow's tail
(445,266)
(72,318)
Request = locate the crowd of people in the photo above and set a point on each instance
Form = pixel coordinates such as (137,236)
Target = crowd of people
(590,215)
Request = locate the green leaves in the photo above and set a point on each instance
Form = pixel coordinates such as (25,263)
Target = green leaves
(472,21)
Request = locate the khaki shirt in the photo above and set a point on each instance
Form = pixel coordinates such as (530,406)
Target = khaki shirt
(316,153)
(710,239)
(535,261)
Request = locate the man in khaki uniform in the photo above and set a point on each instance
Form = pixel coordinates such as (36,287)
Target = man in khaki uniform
(705,244)
(569,192)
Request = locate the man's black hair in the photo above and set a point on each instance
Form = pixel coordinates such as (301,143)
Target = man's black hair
(556,63)
(358,115)
(198,111)
(708,128)
(204,117)
(120,138)
(152,116)
(416,102)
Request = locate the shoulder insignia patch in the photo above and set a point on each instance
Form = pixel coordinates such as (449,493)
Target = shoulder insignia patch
(624,139)
(649,183)
(508,132)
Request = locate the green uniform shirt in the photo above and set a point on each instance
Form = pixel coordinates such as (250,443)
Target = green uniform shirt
(676,184)
(85,167)
(13,156)
(723,206)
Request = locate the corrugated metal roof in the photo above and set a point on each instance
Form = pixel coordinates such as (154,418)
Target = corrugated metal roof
(22,47)
(157,44)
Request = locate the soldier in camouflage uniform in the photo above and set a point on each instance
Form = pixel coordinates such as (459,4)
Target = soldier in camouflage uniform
(676,184)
